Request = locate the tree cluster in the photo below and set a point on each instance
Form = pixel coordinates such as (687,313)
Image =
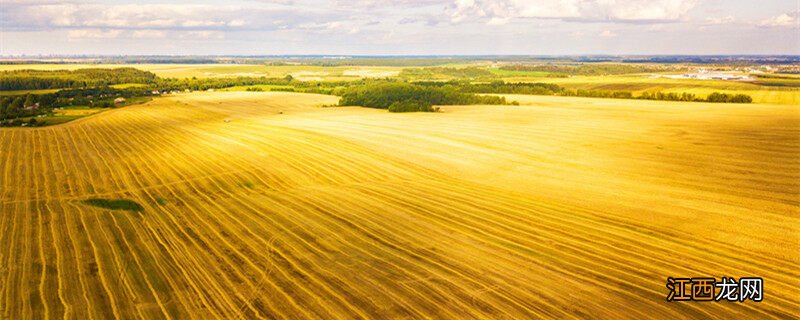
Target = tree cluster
(729,98)
(670,96)
(31,105)
(80,78)
(597,94)
(412,106)
(382,95)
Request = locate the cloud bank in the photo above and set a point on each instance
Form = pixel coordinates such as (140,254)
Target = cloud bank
(400,26)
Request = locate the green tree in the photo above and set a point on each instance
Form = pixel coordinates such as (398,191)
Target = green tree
(29,100)
(17,103)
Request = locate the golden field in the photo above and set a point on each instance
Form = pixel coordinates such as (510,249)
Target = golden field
(175,70)
(639,83)
(561,207)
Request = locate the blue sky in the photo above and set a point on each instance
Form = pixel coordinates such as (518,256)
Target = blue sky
(400,27)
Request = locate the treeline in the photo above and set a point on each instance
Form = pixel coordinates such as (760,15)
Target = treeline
(729,98)
(597,94)
(446,72)
(195,84)
(715,97)
(170,84)
(320,89)
(593,69)
(403,96)
(80,78)
(498,86)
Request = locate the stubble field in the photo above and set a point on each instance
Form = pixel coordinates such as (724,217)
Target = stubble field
(300,72)
(562,207)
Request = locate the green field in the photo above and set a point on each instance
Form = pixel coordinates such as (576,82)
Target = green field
(68,114)
(21,92)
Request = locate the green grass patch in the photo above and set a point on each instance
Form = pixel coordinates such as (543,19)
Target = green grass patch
(115,204)
(54,120)
(23,92)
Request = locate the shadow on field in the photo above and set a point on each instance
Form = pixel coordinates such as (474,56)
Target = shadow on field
(115,204)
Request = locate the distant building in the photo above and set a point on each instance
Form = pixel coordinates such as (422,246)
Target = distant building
(119,100)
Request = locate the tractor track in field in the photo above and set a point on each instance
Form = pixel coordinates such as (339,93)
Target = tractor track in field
(292,211)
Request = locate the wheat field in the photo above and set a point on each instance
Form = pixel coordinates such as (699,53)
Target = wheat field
(637,84)
(174,70)
(264,205)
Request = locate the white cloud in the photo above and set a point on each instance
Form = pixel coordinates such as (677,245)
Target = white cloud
(236,23)
(202,35)
(338,27)
(148,34)
(396,26)
(783,20)
(720,20)
(631,11)
(389,3)
(43,16)
(428,19)
(93,34)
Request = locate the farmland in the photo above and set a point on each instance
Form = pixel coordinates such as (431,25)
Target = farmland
(643,82)
(264,205)
(768,91)
(231,70)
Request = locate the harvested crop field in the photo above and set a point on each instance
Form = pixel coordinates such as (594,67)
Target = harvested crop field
(263,205)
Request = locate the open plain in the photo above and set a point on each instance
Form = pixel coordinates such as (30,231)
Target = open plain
(264,205)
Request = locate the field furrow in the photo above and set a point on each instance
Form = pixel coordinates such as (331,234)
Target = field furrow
(560,208)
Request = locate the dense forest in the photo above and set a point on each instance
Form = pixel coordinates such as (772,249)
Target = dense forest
(80,78)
